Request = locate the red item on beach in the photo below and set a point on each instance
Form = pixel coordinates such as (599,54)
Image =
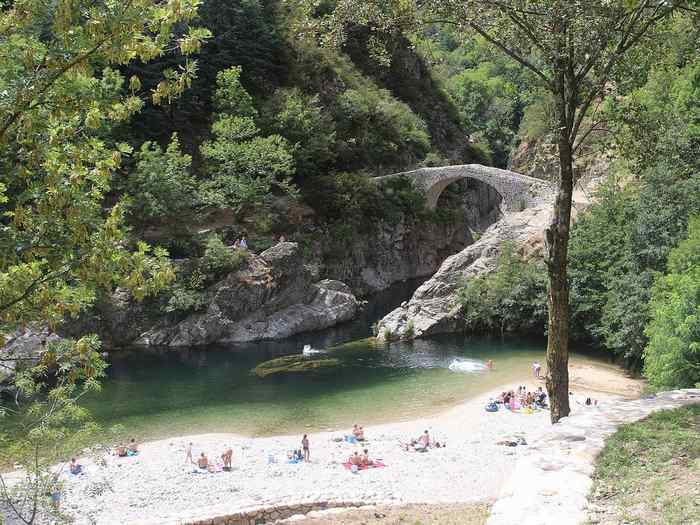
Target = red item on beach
(375,464)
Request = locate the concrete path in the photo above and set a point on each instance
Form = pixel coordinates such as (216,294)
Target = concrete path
(551,482)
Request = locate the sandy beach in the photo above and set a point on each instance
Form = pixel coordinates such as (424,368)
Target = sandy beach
(159,486)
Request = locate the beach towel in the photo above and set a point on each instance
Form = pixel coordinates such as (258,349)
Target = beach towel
(375,464)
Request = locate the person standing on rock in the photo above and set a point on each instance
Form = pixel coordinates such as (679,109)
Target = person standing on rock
(305,448)
(243,244)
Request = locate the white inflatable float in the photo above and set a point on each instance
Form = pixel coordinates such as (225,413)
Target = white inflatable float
(467,366)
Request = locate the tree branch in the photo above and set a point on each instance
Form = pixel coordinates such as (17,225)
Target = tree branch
(510,52)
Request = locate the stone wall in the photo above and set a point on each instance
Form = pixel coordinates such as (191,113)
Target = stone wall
(265,515)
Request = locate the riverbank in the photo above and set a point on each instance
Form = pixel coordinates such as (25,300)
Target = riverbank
(158,486)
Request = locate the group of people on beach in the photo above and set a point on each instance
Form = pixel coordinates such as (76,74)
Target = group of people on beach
(357,434)
(204,464)
(360,460)
(523,398)
(131,449)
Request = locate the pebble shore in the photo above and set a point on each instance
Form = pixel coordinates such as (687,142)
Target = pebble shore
(158,486)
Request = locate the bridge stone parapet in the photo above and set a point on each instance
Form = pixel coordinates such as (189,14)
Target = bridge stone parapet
(517,191)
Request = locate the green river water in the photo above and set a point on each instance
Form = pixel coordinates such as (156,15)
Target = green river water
(160,393)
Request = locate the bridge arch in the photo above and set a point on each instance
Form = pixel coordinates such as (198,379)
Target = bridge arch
(517,191)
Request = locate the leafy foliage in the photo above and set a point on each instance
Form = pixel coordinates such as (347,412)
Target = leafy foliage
(378,131)
(187,293)
(219,258)
(512,298)
(162,186)
(47,426)
(672,358)
(59,97)
(623,242)
(307,126)
(242,166)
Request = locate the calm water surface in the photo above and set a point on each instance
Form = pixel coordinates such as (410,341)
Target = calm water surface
(159,393)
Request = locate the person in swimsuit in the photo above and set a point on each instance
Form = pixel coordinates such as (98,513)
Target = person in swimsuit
(203,462)
(536,368)
(227,457)
(75,467)
(355,459)
(364,459)
(424,439)
(133,447)
(305,447)
(188,454)
(121,451)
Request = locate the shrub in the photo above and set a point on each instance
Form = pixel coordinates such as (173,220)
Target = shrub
(162,187)
(219,258)
(511,298)
(672,357)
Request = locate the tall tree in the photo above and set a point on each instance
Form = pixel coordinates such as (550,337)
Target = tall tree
(573,50)
(60,97)
(61,240)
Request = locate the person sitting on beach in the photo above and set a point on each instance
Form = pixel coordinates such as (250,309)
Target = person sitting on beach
(227,457)
(75,467)
(364,459)
(203,462)
(133,448)
(541,397)
(121,451)
(422,443)
(529,399)
(355,459)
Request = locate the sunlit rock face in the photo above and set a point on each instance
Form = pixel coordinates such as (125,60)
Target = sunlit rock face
(274,297)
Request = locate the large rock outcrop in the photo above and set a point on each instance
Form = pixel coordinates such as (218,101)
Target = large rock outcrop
(434,308)
(22,350)
(274,296)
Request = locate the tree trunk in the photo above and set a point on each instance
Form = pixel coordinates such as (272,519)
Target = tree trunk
(557,238)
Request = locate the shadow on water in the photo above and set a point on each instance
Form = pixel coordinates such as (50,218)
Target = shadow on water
(157,393)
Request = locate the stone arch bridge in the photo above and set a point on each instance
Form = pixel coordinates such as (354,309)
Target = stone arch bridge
(517,191)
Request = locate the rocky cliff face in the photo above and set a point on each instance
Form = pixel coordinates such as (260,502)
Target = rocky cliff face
(434,309)
(398,252)
(22,350)
(274,296)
